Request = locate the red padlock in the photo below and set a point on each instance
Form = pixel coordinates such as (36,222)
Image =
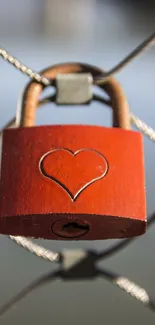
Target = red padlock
(72,181)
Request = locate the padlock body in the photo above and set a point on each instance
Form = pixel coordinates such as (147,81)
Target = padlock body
(72,182)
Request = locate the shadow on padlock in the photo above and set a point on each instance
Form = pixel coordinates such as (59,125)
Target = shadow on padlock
(72,182)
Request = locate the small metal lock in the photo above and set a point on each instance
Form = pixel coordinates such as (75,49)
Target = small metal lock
(72,182)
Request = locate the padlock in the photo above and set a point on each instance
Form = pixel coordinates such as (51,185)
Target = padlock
(73,182)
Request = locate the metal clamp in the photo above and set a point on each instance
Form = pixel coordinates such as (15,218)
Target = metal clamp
(74,88)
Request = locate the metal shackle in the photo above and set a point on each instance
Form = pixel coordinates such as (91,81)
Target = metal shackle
(32,92)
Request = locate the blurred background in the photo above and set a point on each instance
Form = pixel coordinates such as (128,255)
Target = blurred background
(99,32)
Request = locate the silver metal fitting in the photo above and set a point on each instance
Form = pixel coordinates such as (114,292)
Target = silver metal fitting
(72,258)
(74,88)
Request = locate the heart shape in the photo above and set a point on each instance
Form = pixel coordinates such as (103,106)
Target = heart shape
(73,171)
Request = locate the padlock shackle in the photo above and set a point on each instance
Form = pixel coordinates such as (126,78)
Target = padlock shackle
(26,115)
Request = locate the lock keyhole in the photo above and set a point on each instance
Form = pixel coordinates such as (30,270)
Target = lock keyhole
(74,227)
(70,228)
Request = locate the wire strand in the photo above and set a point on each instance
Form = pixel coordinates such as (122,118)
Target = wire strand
(38,250)
(149,42)
(129,287)
(23,68)
(99,80)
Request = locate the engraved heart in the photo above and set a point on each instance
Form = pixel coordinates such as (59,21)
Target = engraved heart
(73,171)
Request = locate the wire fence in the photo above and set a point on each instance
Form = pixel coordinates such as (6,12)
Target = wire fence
(81,264)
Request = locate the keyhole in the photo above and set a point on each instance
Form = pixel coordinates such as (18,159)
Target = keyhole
(74,227)
(70,228)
